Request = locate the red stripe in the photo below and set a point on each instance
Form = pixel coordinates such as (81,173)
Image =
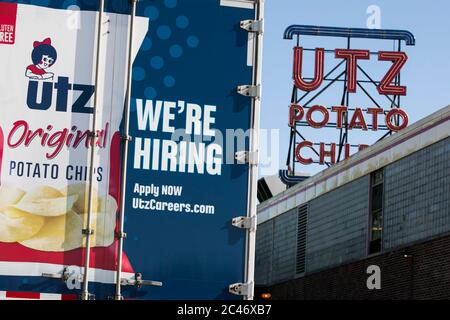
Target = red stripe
(23,295)
(69,297)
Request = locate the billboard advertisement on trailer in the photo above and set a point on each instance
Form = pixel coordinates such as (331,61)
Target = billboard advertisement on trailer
(62,169)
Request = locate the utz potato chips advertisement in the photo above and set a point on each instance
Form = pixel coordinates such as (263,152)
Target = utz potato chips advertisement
(187,121)
(46,137)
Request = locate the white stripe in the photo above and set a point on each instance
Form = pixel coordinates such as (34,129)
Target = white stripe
(50,296)
(245,4)
(35,269)
(2,295)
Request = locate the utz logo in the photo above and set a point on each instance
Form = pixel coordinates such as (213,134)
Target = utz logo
(44,56)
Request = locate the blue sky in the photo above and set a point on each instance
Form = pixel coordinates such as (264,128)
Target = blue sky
(426,74)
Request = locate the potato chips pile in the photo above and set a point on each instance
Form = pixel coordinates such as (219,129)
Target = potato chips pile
(48,219)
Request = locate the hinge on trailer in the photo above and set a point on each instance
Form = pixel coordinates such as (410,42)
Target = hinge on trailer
(247,157)
(87,231)
(89,296)
(249,91)
(126,138)
(256,26)
(245,223)
(138,282)
(241,289)
(120,235)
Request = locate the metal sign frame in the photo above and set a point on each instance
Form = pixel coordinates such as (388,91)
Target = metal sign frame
(296,32)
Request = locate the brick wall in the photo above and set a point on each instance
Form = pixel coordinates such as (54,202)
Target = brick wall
(421,271)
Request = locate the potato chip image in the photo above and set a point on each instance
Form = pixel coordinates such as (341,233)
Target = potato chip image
(107,204)
(16,225)
(82,191)
(10,196)
(58,234)
(42,193)
(103,223)
(50,207)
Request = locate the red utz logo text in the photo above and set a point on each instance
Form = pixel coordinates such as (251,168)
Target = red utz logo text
(8,14)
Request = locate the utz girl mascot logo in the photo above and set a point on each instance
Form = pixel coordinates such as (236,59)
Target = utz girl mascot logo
(44,56)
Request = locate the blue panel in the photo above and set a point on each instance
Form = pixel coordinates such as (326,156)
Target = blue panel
(196,52)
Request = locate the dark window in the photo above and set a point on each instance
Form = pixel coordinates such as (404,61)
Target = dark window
(376,212)
(301,238)
(377,197)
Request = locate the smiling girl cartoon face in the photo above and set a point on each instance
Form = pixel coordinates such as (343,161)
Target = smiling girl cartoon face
(44,56)
(46,62)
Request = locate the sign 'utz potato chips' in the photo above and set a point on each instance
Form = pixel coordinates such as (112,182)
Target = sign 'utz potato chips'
(189,57)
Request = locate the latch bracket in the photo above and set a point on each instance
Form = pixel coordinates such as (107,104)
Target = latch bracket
(249,91)
(245,222)
(247,157)
(64,275)
(241,289)
(256,26)
(138,282)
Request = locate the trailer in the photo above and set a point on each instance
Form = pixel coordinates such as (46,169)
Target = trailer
(117,178)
